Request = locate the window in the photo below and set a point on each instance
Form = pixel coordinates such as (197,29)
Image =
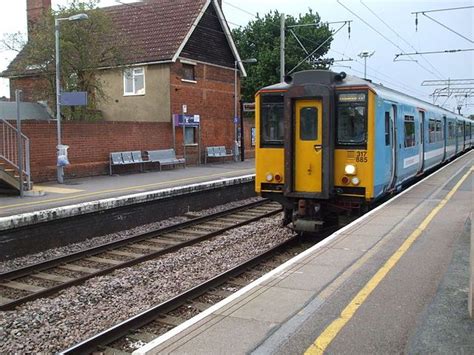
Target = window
(271,125)
(439,131)
(308,123)
(409,131)
(189,135)
(188,72)
(451,130)
(134,81)
(351,119)
(432,131)
(387,128)
(460,130)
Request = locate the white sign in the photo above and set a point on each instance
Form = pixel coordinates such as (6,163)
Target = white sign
(185,108)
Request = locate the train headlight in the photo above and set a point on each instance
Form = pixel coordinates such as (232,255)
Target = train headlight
(355,181)
(269,177)
(350,169)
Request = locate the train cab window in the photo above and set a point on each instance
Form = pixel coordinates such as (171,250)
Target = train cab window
(352,119)
(308,123)
(409,131)
(271,121)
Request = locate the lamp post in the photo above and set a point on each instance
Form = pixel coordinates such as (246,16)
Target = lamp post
(78,17)
(365,54)
(236,144)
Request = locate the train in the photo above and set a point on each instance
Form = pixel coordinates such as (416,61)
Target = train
(330,144)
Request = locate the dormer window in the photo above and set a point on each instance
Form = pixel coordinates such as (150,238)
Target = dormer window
(134,81)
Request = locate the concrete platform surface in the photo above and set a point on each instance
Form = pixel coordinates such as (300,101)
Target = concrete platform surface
(75,191)
(383,284)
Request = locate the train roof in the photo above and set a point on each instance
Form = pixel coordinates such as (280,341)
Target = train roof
(327,77)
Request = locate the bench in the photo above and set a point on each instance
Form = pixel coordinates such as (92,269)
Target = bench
(217,152)
(165,157)
(126,158)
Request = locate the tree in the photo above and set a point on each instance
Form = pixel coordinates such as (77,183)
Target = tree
(260,39)
(85,46)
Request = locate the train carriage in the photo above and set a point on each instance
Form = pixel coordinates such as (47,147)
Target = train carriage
(328,144)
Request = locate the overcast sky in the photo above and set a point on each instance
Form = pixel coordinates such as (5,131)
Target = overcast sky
(398,30)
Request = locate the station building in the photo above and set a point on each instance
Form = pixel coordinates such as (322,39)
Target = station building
(181,55)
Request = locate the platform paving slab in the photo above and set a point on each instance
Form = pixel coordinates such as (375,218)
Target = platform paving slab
(247,331)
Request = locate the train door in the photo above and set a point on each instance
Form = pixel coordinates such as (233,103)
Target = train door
(445,137)
(393,141)
(308,146)
(421,139)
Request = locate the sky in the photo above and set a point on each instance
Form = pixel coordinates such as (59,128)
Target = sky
(386,27)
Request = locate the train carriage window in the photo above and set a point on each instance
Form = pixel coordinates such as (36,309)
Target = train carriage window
(308,123)
(439,131)
(409,131)
(460,131)
(387,128)
(271,117)
(352,119)
(451,130)
(432,131)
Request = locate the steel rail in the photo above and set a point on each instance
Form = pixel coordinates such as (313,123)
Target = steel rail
(122,329)
(30,270)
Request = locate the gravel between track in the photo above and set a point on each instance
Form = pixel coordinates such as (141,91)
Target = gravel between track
(53,324)
(93,242)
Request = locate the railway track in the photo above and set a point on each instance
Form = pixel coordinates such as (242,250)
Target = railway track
(131,334)
(46,278)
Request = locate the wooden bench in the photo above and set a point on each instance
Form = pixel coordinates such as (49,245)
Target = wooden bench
(126,158)
(217,152)
(165,157)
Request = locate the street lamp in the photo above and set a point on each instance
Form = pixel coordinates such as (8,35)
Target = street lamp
(236,144)
(365,55)
(78,17)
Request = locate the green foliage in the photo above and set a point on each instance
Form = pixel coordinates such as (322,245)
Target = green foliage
(85,46)
(260,39)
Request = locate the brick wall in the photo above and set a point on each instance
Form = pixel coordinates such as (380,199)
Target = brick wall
(90,144)
(211,97)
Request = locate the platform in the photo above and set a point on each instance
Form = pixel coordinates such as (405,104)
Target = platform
(77,191)
(386,283)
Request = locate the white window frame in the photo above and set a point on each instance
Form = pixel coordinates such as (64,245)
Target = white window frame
(189,62)
(133,76)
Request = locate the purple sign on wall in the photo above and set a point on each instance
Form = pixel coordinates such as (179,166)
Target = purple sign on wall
(186,120)
(75,98)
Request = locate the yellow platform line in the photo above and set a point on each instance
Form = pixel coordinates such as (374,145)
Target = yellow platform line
(56,190)
(329,334)
(197,178)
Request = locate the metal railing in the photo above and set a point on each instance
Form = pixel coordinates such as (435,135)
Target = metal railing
(9,151)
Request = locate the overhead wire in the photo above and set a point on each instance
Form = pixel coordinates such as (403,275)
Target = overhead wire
(384,37)
(448,28)
(400,37)
(390,81)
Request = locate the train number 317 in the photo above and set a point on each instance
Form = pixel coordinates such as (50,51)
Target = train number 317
(361,157)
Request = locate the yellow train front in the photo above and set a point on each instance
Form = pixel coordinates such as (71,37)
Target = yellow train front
(299,160)
(328,145)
